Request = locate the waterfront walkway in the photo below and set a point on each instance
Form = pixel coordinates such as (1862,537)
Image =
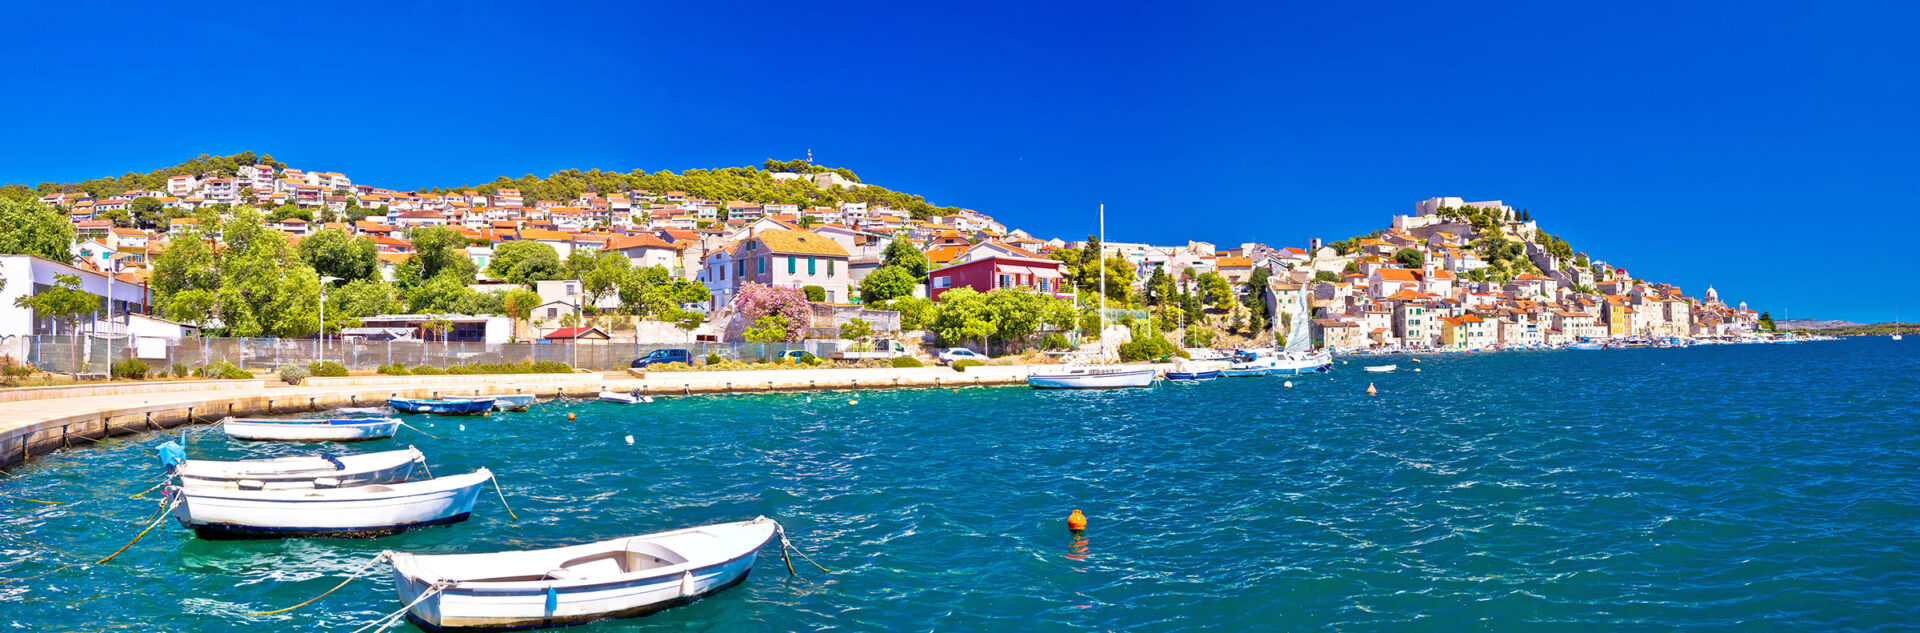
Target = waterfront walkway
(38,421)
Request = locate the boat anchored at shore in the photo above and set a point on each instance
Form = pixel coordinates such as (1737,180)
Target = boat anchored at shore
(301,472)
(623,577)
(356,512)
(1096,376)
(321,430)
(478,406)
(508,402)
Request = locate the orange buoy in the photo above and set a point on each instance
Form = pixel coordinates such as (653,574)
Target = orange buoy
(569,417)
(1077,522)
(1371,391)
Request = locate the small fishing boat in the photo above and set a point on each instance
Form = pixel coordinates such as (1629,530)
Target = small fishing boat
(624,577)
(300,472)
(357,512)
(1586,347)
(1092,377)
(625,397)
(442,407)
(1192,376)
(1382,369)
(320,430)
(505,402)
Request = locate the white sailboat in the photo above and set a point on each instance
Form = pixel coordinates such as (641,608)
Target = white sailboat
(1896,326)
(1101,376)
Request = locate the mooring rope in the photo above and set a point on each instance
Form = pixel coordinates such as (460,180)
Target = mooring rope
(51,503)
(784,543)
(417,430)
(156,521)
(398,616)
(356,574)
(503,496)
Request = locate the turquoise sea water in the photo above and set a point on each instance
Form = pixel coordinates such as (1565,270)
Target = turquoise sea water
(1744,488)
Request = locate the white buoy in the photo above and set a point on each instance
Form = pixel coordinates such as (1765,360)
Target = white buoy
(463,427)
(1287,384)
(629,439)
(853,402)
(1416,370)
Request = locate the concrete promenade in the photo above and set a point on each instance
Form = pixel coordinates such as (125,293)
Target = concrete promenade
(30,428)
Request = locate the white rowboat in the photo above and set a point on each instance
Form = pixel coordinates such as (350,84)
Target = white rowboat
(509,402)
(1092,377)
(344,430)
(1381,369)
(358,512)
(302,472)
(624,577)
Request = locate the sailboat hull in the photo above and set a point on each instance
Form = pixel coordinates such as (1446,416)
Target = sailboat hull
(1100,378)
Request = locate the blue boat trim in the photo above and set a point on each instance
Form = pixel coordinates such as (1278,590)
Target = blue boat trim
(231,532)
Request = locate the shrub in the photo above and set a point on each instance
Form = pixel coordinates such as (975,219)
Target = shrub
(962,365)
(552,367)
(293,374)
(713,358)
(814,293)
(1054,341)
(428,370)
(326,369)
(181,371)
(1149,348)
(395,369)
(12,370)
(132,368)
(226,370)
(906,361)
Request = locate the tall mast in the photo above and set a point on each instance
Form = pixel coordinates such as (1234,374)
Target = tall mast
(1101,261)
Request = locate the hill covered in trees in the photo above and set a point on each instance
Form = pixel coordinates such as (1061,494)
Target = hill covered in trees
(156,180)
(748,184)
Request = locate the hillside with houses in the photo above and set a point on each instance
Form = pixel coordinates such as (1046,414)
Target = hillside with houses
(251,247)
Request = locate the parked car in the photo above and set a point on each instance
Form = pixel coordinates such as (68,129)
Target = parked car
(795,355)
(662,357)
(882,349)
(951,354)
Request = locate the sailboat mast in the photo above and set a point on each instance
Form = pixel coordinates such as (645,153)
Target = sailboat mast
(1101,261)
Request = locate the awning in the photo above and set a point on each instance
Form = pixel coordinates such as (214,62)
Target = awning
(1047,273)
(1012,270)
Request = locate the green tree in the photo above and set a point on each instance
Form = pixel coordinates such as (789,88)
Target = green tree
(767,329)
(65,303)
(1766,322)
(815,294)
(1215,290)
(33,228)
(1410,258)
(334,253)
(915,313)
(147,212)
(963,314)
(603,278)
(887,283)
(902,253)
(525,262)
(856,330)
(519,304)
(1326,276)
(441,250)
(195,307)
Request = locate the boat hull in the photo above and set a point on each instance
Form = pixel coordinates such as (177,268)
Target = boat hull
(442,407)
(1096,379)
(1192,376)
(510,402)
(361,512)
(311,430)
(304,472)
(519,604)
(621,397)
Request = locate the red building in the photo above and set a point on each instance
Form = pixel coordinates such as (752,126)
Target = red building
(1001,271)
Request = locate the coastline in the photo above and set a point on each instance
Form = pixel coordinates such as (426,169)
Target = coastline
(37,427)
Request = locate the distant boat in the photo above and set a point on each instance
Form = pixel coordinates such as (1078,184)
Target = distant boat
(442,407)
(1192,376)
(1382,369)
(301,472)
(357,512)
(323,430)
(508,402)
(1586,347)
(1896,326)
(625,397)
(623,577)
(1095,376)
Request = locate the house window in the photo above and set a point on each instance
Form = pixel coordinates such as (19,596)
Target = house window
(761,266)
(829,296)
(790,264)
(740,268)
(829,268)
(810,264)
(553,312)
(942,282)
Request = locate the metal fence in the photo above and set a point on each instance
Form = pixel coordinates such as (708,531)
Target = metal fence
(87,354)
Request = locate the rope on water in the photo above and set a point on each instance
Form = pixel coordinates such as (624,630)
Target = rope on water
(356,574)
(156,521)
(45,573)
(784,543)
(398,616)
(503,497)
(144,492)
(417,430)
(51,503)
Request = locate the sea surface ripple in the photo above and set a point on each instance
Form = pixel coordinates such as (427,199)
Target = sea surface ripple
(1738,488)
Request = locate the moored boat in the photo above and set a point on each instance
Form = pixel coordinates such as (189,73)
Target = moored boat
(442,407)
(1193,376)
(623,577)
(625,397)
(319,430)
(506,402)
(297,472)
(357,512)
(1586,347)
(1092,377)
(1382,369)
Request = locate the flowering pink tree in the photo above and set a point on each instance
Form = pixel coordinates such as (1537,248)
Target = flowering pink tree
(759,300)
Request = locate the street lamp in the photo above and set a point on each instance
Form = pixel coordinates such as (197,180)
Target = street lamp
(320,341)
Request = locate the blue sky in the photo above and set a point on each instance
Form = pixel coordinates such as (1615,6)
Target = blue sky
(1766,148)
